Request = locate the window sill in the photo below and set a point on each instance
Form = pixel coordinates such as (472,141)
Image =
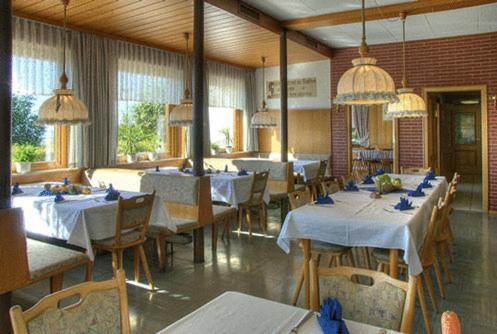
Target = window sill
(241,154)
(167,162)
(47,175)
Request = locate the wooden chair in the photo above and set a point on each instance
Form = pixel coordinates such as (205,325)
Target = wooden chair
(414,170)
(102,307)
(318,248)
(387,303)
(133,217)
(26,261)
(314,184)
(256,201)
(428,259)
(330,187)
(222,215)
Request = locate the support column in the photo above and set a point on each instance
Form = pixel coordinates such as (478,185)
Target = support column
(198,110)
(283,96)
(5,130)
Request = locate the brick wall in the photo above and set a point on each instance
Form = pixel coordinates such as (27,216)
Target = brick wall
(459,61)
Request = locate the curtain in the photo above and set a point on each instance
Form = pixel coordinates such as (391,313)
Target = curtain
(251,139)
(147,74)
(95,82)
(360,123)
(37,61)
(207,133)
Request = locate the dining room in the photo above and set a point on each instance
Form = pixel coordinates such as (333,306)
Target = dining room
(248,166)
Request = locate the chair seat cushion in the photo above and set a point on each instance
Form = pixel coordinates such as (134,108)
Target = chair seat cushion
(325,247)
(221,211)
(45,259)
(126,238)
(383,255)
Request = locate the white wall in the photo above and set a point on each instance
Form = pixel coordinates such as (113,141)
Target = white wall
(318,69)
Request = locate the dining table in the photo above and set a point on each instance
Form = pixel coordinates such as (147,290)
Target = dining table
(307,168)
(227,187)
(235,312)
(357,219)
(78,219)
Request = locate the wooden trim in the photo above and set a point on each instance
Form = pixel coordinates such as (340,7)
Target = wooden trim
(74,175)
(349,140)
(176,145)
(484,131)
(396,151)
(381,13)
(237,130)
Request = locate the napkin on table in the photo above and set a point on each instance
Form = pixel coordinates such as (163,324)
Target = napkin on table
(350,186)
(16,189)
(426,183)
(404,204)
(330,319)
(430,176)
(417,193)
(380,171)
(242,172)
(368,179)
(326,199)
(58,198)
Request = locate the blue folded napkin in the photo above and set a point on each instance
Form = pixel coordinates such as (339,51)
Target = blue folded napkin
(426,183)
(350,186)
(242,172)
(404,204)
(110,189)
(66,181)
(16,189)
(430,176)
(368,179)
(330,319)
(157,168)
(187,171)
(417,193)
(112,195)
(380,171)
(58,198)
(326,199)
(225,168)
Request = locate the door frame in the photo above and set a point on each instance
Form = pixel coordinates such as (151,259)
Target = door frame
(484,131)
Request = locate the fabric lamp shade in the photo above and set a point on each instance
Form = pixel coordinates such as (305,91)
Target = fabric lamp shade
(262,119)
(409,105)
(182,115)
(63,108)
(365,84)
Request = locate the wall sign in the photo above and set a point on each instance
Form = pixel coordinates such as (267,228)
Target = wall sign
(297,88)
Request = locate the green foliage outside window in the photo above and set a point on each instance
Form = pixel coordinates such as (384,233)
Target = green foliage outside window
(27,153)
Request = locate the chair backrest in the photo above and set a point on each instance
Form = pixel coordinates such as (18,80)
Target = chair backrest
(259,184)
(330,187)
(387,303)
(322,169)
(102,307)
(456,179)
(185,196)
(133,214)
(442,226)
(13,251)
(427,252)
(414,170)
(450,323)
(299,198)
(281,178)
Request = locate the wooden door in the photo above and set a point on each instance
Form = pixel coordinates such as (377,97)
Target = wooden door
(467,139)
(446,147)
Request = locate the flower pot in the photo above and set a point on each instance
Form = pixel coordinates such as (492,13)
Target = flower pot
(152,156)
(213,152)
(229,149)
(131,157)
(23,167)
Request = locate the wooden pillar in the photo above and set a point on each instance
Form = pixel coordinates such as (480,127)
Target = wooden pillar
(283,96)
(198,110)
(5,129)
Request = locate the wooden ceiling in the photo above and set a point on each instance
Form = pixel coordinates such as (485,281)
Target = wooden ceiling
(161,24)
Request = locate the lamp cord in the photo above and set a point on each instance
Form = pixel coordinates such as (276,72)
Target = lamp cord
(263,83)
(363,49)
(404,77)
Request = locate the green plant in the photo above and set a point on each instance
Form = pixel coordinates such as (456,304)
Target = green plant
(25,130)
(215,147)
(227,136)
(26,153)
(130,137)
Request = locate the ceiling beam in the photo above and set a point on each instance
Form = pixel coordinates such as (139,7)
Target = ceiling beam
(380,13)
(253,15)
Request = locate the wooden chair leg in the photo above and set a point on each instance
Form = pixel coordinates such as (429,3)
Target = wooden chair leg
(227,229)
(365,253)
(214,236)
(115,262)
(422,303)
(332,261)
(144,261)
(56,282)
(262,218)
(350,257)
(120,255)
(443,258)
(380,267)
(431,291)
(89,272)
(339,260)
(438,274)
(249,221)
(265,215)
(240,219)
(298,287)
(137,263)
(160,242)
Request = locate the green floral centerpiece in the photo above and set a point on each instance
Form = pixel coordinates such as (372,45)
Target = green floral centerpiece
(385,183)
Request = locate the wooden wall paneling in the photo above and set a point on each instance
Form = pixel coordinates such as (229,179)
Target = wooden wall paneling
(238,134)
(309,131)
(380,132)
(58,175)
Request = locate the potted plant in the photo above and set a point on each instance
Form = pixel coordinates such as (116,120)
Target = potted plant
(227,140)
(214,148)
(23,155)
(130,137)
(153,149)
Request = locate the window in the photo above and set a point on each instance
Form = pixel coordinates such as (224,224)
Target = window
(226,129)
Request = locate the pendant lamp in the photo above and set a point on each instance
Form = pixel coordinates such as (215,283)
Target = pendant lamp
(365,83)
(63,107)
(262,118)
(181,115)
(410,104)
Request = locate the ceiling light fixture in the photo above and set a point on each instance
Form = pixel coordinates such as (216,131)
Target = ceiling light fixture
(410,104)
(262,118)
(63,107)
(365,83)
(181,115)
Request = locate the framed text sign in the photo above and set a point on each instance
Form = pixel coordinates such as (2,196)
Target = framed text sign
(297,88)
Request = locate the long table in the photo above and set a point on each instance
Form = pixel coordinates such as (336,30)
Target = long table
(357,220)
(80,218)
(234,312)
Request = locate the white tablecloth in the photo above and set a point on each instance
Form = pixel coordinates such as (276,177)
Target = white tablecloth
(225,187)
(234,312)
(358,220)
(80,218)
(307,168)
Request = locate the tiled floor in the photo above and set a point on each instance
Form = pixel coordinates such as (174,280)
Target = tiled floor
(260,268)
